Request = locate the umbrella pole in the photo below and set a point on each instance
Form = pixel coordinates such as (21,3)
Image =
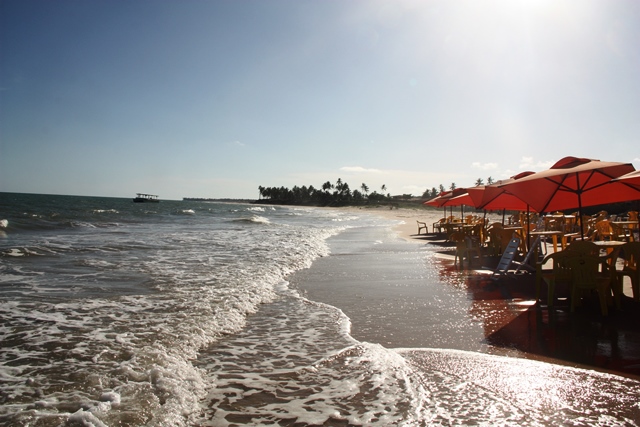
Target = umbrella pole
(528,230)
(503,212)
(579,193)
(580,213)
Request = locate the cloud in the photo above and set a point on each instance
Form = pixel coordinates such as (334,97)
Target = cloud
(359,169)
(528,163)
(237,144)
(484,166)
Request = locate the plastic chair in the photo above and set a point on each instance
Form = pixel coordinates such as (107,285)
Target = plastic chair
(620,233)
(584,247)
(494,232)
(630,252)
(560,273)
(585,277)
(464,248)
(604,230)
(422,226)
(438,225)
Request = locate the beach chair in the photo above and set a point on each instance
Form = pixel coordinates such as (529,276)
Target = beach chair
(507,258)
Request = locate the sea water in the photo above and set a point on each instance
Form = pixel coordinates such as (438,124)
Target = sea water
(180,314)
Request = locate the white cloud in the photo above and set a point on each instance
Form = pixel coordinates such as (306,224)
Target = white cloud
(528,163)
(360,169)
(237,144)
(484,166)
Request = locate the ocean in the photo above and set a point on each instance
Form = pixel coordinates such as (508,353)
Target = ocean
(182,313)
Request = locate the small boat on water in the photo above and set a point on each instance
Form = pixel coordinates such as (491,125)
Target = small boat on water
(145,198)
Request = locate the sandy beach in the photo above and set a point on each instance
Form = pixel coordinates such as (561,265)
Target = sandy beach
(408,294)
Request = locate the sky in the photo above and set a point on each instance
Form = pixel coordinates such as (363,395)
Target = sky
(215,98)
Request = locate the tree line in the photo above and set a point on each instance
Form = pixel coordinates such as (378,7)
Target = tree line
(329,194)
(341,194)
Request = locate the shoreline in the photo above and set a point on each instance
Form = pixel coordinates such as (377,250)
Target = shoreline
(510,322)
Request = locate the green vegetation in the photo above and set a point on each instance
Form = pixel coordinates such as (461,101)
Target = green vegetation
(338,194)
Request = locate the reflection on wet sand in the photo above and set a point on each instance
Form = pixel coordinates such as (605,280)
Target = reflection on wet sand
(513,322)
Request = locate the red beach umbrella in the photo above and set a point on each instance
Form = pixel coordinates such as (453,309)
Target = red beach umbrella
(632,180)
(463,198)
(444,197)
(438,200)
(496,197)
(573,183)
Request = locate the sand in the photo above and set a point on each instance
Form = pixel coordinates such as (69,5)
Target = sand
(405,292)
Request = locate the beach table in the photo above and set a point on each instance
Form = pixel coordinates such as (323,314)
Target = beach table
(609,245)
(458,226)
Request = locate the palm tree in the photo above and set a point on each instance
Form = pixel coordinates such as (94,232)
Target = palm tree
(490,181)
(479,181)
(365,189)
(452,186)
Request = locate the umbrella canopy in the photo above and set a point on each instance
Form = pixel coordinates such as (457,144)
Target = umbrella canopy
(496,197)
(463,199)
(573,183)
(443,197)
(438,200)
(632,180)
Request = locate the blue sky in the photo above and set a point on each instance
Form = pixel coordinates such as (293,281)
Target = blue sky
(215,98)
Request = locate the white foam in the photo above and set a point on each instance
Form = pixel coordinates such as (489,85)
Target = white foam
(86,418)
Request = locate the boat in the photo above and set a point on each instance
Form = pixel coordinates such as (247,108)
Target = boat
(145,198)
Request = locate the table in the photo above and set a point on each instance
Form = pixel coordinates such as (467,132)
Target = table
(610,246)
(459,226)
(554,235)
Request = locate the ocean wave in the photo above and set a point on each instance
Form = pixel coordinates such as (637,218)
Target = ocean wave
(346,218)
(99,211)
(255,219)
(4,223)
(20,252)
(261,208)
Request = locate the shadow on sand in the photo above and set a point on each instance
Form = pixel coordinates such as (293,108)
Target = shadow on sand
(513,321)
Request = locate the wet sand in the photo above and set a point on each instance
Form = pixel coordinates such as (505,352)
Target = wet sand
(402,290)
